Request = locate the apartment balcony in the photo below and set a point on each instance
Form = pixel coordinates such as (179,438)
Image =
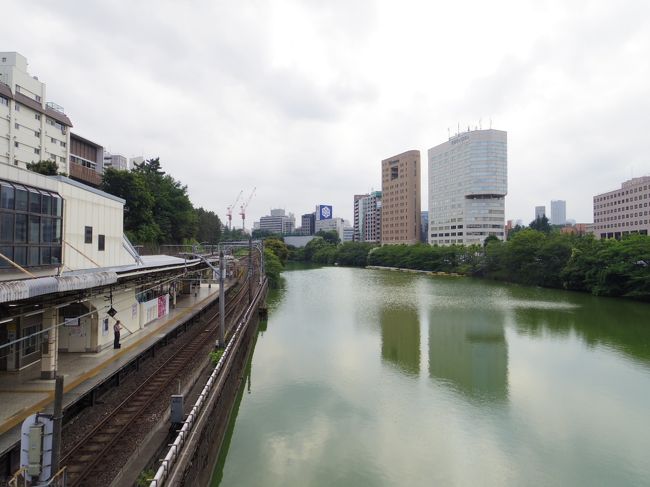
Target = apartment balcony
(85,174)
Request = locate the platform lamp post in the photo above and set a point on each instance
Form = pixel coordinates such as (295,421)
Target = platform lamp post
(222,303)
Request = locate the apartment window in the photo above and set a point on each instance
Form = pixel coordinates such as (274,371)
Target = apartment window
(101,242)
(4,101)
(37,98)
(37,151)
(16,145)
(62,159)
(63,144)
(37,116)
(88,235)
(37,134)
(30,225)
(17,126)
(4,59)
(53,140)
(17,107)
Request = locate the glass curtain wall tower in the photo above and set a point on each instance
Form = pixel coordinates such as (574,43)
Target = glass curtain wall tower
(468,183)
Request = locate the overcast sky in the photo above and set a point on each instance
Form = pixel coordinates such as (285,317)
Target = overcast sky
(303,99)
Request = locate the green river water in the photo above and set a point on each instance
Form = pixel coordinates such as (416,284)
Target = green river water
(378,378)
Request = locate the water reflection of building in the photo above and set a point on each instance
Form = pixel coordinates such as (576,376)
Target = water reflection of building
(469,349)
(400,338)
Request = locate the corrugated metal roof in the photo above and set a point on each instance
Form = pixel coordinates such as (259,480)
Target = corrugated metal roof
(99,192)
(29,288)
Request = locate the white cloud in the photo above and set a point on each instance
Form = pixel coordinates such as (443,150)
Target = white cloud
(304,99)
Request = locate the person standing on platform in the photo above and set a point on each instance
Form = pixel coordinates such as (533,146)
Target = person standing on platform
(116,332)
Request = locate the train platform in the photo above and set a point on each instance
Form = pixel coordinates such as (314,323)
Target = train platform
(24,393)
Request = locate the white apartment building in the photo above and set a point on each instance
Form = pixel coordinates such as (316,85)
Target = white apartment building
(116,161)
(367,217)
(540,212)
(558,212)
(623,211)
(31,130)
(336,224)
(468,182)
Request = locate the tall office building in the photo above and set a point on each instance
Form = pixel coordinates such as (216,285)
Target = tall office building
(400,205)
(116,161)
(31,130)
(278,222)
(367,217)
(468,183)
(558,212)
(308,223)
(540,212)
(623,211)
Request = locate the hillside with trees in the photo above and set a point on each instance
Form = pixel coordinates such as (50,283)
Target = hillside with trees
(158,209)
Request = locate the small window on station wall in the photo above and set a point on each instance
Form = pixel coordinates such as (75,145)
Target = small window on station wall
(101,242)
(88,235)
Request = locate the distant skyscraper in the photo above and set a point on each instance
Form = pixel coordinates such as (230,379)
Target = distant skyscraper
(400,205)
(540,212)
(424,226)
(116,161)
(278,222)
(468,183)
(367,217)
(558,212)
(308,221)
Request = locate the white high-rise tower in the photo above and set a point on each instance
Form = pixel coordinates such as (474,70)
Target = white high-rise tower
(468,182)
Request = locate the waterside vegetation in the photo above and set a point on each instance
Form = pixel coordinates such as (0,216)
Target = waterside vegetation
(532,257)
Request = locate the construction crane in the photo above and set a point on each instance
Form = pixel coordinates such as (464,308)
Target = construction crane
(243,209)
(229,211)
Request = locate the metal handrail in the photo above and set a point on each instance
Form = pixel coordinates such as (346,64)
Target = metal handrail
(175,448)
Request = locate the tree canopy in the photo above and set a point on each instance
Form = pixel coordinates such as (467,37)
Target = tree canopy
(158,209)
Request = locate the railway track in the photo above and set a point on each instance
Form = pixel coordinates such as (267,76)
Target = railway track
(84,465)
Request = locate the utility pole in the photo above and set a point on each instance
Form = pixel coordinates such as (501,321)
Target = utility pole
(222,303)
(250,270)
(58,420)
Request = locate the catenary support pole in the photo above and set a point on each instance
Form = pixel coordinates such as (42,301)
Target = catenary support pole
(58,422)
(250,270)
(222,302)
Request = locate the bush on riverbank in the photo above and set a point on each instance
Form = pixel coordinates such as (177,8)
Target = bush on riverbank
(554,260)
(276,253)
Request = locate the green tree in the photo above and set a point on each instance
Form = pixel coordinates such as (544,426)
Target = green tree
(313,246)
(139,223)
(353,253)
(541,224)
(273,267)
(172,207)
(209,226)
(278,247)
(330,236)
(48,168)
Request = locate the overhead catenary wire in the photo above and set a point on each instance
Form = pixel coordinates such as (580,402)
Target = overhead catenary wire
(97,310)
